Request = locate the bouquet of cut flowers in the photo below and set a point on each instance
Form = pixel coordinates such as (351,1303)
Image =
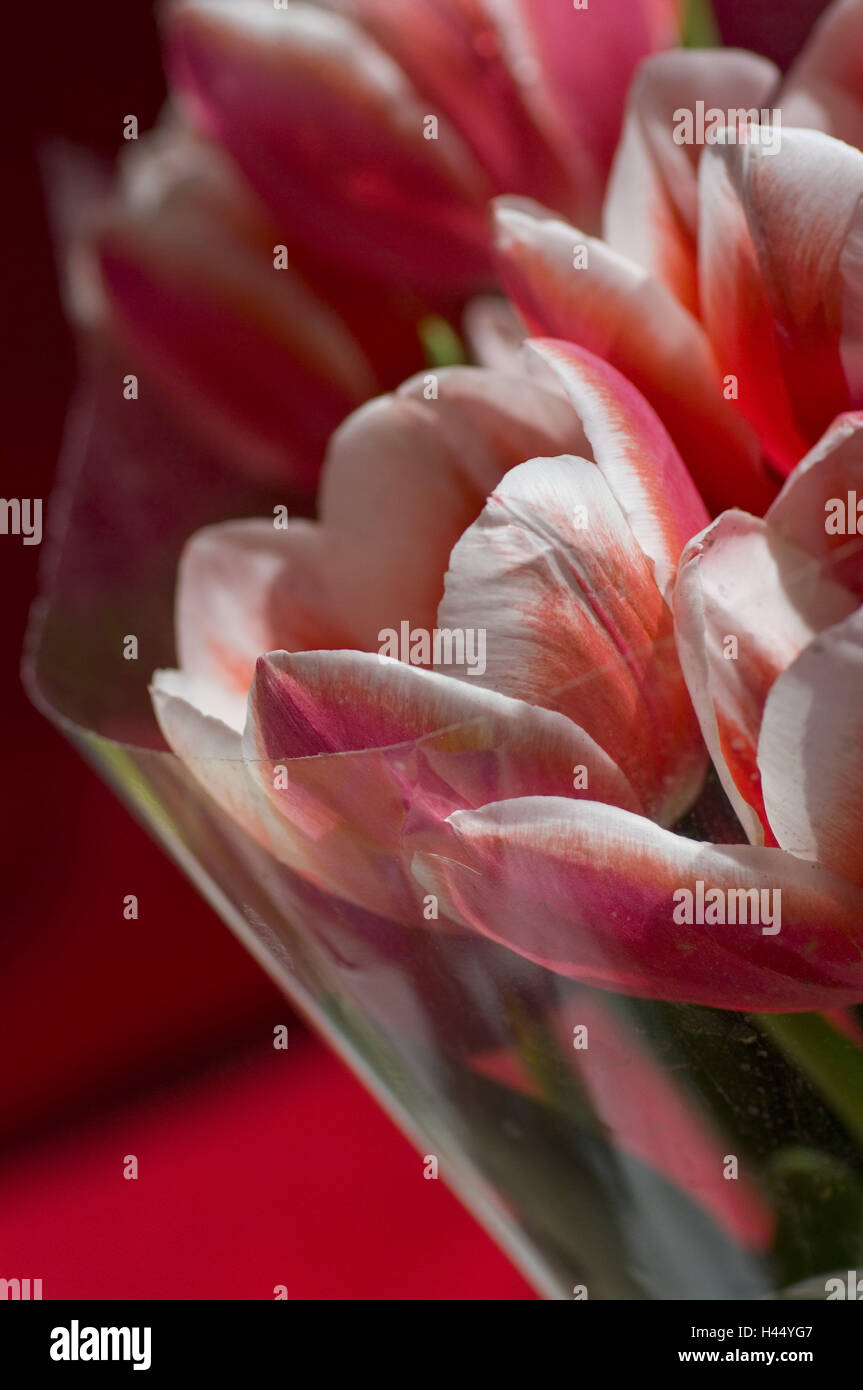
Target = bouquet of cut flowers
(469,458)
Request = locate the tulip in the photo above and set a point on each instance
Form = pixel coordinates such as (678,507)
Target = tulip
(378,131)
(343,759)
(725,293)
(645,1111)
(589,890)
(533,795)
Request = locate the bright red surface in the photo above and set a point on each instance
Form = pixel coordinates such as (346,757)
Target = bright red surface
(275,1169)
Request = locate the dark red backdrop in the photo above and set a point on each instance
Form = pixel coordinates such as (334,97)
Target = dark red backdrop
(152,1038)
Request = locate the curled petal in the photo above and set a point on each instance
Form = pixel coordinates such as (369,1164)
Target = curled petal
(809,752)
(600,895)
(246,587)
(403,479)
(651,207)
(203,725)
(777,278)
(551,573)
(570,286)
(199,717)
(820,508)
(375,751)
(282,89)
(747,602)
(408,473)
(633,452)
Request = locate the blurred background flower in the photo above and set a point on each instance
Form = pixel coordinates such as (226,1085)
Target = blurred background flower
(353,146)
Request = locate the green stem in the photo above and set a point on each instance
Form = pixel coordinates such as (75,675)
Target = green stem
(700,29)
(831,1062)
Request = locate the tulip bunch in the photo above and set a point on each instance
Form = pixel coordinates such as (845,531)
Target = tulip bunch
(556,498)
(317,192)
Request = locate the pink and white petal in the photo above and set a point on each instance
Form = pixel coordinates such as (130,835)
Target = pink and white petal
(573,287)
(407,474)
(591,892)
(810,752)
(746,603)
(737,315)
(651,206)
(774,227)
(394,491)
(824,86)
(281,89)
(831,473)
(577,63)
(376,751)
(452,53)
(487,419)
(494,333)
(245,588)
(185,257)
(313,704)
(633,452)
(203,726)
(199,717)
(403,479)
(574,622)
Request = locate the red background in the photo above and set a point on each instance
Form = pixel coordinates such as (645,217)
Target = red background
(153,1038)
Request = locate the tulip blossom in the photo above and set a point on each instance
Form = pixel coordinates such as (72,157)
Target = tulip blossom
(546,518)
(533,803)
(378,131)
(344,758)
(770,633)
(727,285)
(319,186)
